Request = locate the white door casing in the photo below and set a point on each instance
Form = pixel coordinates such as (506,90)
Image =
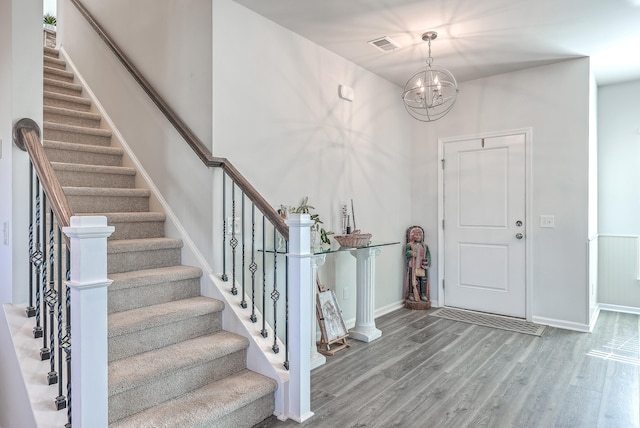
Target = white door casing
(483,208)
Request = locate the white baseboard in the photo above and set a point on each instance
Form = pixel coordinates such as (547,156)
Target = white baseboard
(566,325)
(619,308)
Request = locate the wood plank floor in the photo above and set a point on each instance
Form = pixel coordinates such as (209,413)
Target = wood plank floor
(431,372)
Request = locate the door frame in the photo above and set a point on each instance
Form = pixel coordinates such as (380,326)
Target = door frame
(528,139)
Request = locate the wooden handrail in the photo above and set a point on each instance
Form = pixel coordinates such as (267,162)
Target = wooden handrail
(26,136)
(183,129)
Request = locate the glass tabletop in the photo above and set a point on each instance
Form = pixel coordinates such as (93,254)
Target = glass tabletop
(334,248)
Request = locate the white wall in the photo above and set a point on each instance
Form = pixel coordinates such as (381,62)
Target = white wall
(278,118)
(554,101)
(619,204)
(20,96)
(619,157)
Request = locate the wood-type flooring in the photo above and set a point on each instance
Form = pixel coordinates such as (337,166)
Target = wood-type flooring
(432,372)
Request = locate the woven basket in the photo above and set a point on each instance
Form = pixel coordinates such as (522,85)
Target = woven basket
(353,239)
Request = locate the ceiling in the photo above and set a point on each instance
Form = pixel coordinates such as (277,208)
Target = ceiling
(476,38)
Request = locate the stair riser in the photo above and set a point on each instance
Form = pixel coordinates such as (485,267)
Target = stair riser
(164,335)
(173,385)
(137,260)
(89,179)
(87,158)
(62,76)
(108,204)
(71,120)
(75,137)
(62,90)
(142,230)
(71,105)
(154,294)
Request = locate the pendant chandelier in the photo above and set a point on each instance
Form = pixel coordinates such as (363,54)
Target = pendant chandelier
(431,92)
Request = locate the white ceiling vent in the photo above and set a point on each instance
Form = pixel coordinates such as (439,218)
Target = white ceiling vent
(385,44)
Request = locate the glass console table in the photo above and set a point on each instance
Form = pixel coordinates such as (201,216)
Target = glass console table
(365,327)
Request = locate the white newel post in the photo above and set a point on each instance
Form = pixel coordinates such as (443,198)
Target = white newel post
(300,317)
(88,284)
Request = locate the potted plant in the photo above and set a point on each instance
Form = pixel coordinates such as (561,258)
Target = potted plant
(305,208)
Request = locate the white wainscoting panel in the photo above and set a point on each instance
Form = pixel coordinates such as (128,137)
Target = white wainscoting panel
(618,282)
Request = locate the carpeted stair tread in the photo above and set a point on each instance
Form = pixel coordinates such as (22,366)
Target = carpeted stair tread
(59,151)
(58,63)
(208,406)
(68,114)
(130,217)
(56,74)
(77,134)
(139,288)
(62,87)
(134,320)
(95,176)
(134,225)
(63,145)
(51,52)
(66,101)
(124,255)
(76,129)
(99,169)
(130,372)
(104,191)
(143,278)
(150,244)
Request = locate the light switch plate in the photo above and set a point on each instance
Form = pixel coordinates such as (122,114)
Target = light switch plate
(547,221)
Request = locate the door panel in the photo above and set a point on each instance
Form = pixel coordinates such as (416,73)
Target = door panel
(484,185)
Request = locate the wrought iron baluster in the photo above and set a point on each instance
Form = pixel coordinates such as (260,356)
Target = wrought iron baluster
(233,241)
(31,310)
(253,267)
(67,340)
(51,297)
(225,278)
(44,351)
(37,261)
(286,310)
(264,332)
(243,302)
(61,401)
(275,294)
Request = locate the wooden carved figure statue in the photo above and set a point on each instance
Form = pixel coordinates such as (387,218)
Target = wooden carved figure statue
(416,285)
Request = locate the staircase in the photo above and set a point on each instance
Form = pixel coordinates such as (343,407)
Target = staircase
(170,363)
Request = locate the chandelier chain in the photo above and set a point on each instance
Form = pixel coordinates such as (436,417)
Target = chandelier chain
(429,58)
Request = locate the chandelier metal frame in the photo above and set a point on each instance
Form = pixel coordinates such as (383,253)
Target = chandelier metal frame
(432,91)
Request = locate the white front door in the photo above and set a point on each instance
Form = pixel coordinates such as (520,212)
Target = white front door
(484,225)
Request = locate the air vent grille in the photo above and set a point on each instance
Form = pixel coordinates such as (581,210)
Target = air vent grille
(385,44)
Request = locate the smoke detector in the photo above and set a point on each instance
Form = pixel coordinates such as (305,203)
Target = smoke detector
(385,44)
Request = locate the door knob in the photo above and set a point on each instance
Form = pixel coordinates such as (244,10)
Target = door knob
(519,235)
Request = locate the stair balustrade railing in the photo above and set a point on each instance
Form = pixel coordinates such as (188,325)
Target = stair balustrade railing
(60,255)
(262,272)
